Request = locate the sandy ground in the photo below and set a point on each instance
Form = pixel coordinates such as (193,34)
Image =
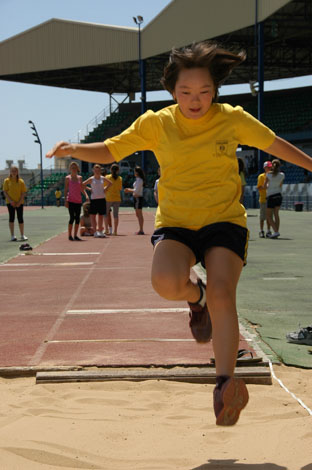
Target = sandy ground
(152,425)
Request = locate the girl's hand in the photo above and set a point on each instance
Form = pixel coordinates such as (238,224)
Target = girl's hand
(61,149)
(66,204)
(127,190)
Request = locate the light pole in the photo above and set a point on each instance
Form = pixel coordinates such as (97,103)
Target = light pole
(138,21)
(38,141)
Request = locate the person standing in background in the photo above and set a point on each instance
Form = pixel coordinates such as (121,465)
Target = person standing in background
(58,195)
(98,201)
(273,183)
(14,189)
(73,200)
(262,200)
(137,192)
(113,197)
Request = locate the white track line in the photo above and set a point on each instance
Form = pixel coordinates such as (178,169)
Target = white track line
(39,353)
(63,254)
(13,265)
(130,340)
(286,389)
(125,310)
(280,278)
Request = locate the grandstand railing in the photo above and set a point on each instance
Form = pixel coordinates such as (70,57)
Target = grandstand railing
(292,194)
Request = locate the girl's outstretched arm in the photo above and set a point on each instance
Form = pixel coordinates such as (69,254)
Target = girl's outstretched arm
(286,151)
(95,153)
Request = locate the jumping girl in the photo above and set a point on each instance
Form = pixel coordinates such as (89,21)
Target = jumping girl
(199,216)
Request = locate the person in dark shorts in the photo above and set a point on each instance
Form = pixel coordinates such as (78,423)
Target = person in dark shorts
(138,199)
(14,190)
(99,185)
(273,184)
(73,200)
(199,215)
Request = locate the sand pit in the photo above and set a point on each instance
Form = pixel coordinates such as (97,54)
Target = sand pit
(152,425)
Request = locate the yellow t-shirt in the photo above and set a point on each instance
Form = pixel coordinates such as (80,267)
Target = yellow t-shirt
(113,192)
(58,194)
(199,183)
(262,192)
(14,189)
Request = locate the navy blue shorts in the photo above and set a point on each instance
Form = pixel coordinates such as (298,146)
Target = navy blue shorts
(274,201)
(138,202)
(98,206)
(225,234)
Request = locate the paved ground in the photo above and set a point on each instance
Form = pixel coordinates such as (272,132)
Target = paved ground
(89,303)
(273,295)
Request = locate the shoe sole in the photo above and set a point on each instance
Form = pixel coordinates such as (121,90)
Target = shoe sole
(302,341)
(235,398)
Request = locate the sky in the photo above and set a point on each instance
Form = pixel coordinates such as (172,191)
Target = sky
(61,114)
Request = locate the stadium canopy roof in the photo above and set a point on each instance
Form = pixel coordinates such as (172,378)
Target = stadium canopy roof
(104,58)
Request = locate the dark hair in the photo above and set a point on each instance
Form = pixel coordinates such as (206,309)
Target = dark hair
(275,166)
(140,172)
(218,61)
(114,170)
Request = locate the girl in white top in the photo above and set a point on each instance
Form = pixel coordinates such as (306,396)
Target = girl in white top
(273,184)
(99,185)
(137,192)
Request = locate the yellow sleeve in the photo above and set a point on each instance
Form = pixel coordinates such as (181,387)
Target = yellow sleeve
(261,179)
(6,185)
(141,135)
(252,132)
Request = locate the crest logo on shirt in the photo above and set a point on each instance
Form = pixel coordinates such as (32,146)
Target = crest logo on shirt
(221,147)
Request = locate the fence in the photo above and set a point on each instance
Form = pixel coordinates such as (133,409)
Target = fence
(292,194)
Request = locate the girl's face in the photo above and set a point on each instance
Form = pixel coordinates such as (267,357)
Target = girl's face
(74,170)
(194,92)
(97,170)
(13,172)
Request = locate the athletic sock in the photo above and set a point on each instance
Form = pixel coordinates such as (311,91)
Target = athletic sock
(202,299)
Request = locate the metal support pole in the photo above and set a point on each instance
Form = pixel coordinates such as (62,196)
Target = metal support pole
(143,88)
(260,30)
(41,175)
(38,141)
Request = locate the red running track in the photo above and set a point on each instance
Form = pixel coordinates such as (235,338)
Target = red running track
(91,303)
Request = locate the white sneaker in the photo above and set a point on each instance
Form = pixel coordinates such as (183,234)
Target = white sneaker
(24,238)
(274,235)
(13,238)
(102,234)
(268,234)
(97,234)
(110,230)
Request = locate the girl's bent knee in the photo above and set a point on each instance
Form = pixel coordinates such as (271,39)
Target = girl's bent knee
(167,287)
